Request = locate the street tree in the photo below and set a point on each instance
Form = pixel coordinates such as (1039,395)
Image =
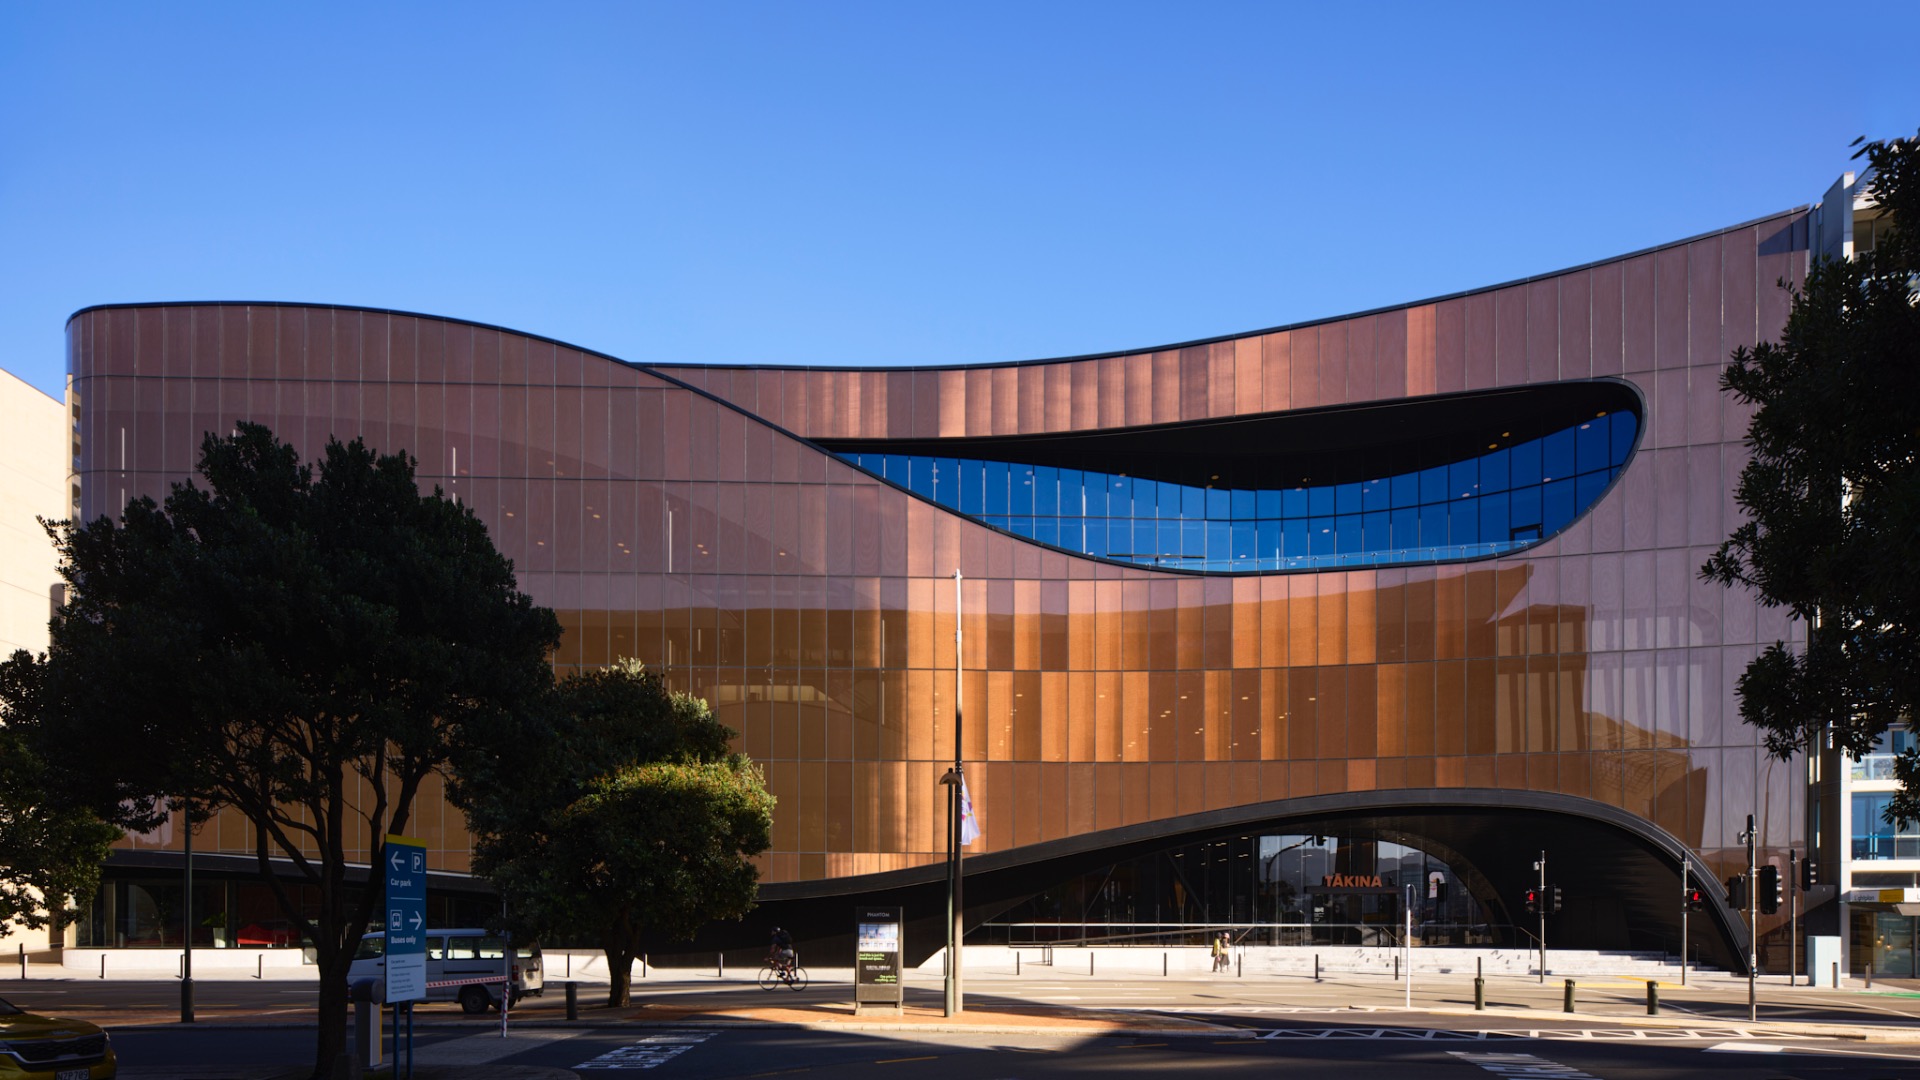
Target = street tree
(52,846)
(1832,493)
(629,819)
(306,646)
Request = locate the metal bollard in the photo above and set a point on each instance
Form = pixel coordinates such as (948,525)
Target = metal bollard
(1240,965)
(23,961)
(1396,969)
(1479,994)
(1836,971)
(1566,1004)
(260,966)
(103,965)
(1316,967)
(1163,965)
(1016,963)
(643,965)
(573,1001)
(719,965)
(1653,997)
(1869,973)
(1089,961)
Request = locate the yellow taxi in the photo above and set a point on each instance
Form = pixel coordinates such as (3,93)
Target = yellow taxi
(35,1047)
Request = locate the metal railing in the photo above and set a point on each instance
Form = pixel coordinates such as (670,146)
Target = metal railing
(1024,935)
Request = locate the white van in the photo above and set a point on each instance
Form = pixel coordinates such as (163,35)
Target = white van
(457,955)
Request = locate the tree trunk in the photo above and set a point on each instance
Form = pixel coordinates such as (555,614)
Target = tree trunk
(331,1039)
(619,974)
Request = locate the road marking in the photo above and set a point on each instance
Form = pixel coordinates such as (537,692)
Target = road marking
(1518,1065)
(1139,1046)
(896,1061)
(1406,1034)
(649,1052)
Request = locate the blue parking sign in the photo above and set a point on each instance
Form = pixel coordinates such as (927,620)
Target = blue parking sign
(405,861)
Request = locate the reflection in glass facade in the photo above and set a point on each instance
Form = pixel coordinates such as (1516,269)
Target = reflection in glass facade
(1509,498)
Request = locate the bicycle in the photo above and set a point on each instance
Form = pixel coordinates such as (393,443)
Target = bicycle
(783,972)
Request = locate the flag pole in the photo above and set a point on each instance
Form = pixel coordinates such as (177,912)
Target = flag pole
(956,1002)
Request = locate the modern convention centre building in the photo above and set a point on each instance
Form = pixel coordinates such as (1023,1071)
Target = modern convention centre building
(1259,630)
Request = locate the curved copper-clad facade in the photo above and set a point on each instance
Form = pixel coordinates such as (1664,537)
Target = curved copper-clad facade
(685,515)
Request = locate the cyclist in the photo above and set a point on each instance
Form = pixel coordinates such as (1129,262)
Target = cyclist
(780,951)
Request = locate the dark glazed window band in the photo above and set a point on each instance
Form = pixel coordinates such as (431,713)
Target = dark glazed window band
(1506,499)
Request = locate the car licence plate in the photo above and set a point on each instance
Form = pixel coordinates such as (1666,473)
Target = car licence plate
(72,1074)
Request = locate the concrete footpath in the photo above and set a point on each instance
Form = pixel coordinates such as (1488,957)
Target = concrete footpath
(1063,999)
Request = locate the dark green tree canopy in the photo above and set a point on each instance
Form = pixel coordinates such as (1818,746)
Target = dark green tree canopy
(1832,492)
(271,640)
(624,815)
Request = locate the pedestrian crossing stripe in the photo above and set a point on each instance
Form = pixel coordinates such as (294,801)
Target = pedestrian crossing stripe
(1404,1034)
(647,1053)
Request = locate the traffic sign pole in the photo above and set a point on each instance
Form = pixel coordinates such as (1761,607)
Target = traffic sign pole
(405,861)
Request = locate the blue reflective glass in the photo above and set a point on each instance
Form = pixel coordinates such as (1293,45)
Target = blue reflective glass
(1119,496)
(1463,478)
(1070,535)
(1046,491)
(1556,509)
(1266,504)
(1266,544)
(946,481)
(1433,484)
(896,465)
(1524,507)
(1320,501)
(994,486)
(1046,530)
(1295,536)
(1020,489)
(1219,504)
(1243,505)
(1463,521)
(1526,463)
(1590,445)
(1146,544)
(1406,528)
(1493,471)
(1022,524)
(1376,495)
(1346,499)
(1246,541)
(1556,456)
(1322,538)
(1184,539)
(1406,490)
(1090,494)
(971,476)
(995,520)
(1293,503)
(1493,518)
(1623,426)
(1219,541)
(1376,531)
(920,476)
(1192,501)
(1433,525)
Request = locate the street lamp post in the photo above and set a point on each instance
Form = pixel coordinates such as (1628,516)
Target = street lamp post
(955,999)
(186,922)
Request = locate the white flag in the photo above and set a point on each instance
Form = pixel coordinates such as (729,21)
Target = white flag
(969,825)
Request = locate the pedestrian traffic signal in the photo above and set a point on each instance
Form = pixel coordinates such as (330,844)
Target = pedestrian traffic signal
(1809,874)
(1696,899)
(1553,899)
(1533,901)
(1771,888)
(1737,891)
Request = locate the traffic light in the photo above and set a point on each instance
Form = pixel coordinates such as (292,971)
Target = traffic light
(1737,891)
(1696,899)
(1553,899)
(1533,901)
(1809,874)
(1771,889)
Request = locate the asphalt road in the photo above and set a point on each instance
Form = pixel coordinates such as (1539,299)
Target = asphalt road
(1300,1049)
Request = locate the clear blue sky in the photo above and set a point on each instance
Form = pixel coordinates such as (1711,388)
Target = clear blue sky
(823,183)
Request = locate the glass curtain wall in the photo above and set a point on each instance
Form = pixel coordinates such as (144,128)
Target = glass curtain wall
(1508,498)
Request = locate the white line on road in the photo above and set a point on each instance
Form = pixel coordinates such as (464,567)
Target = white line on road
(652,1051)
(1518,1065)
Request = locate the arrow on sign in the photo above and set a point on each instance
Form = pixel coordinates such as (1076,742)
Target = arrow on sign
(417,920)
(395,860)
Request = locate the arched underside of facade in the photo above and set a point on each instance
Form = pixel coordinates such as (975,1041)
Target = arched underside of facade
(1620,873)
